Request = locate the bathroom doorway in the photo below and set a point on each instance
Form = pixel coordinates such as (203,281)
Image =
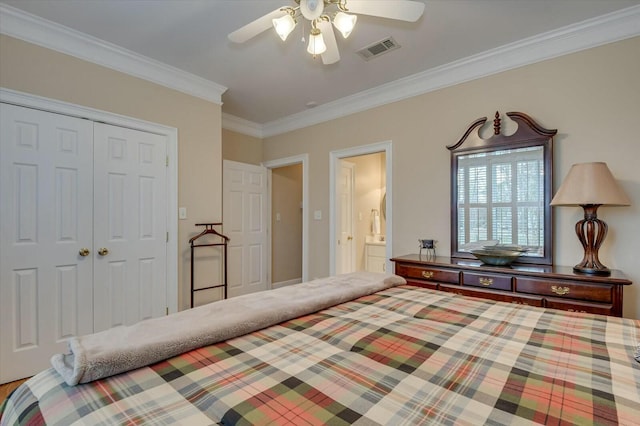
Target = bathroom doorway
(360,226)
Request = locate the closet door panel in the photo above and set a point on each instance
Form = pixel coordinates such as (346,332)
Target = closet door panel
(46,188)
(245,218)
(131,224)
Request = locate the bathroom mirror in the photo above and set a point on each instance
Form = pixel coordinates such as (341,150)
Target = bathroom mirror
(501,188)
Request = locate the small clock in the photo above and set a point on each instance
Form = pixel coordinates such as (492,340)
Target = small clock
(429,246)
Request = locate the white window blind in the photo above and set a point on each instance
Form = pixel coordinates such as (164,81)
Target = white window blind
(500,197)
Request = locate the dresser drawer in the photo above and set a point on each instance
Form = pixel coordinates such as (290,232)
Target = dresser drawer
(428,273)
(566,289)
(494,295)
(491,281)
(423,284)
(577,306)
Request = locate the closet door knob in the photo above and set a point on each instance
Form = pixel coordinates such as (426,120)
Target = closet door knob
(103,251)
(84,252)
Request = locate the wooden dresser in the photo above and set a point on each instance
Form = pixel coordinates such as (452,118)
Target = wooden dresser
(555,287)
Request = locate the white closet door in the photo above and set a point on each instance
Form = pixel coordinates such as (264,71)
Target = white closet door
(245,223)
(46,187)
(130,214)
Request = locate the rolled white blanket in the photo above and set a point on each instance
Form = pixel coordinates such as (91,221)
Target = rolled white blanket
(125,348)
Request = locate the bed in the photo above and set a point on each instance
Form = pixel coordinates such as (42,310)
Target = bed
(396,355)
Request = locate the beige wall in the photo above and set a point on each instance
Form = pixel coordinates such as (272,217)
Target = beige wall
(286,235)
(591,97)
(241,148)
(32,69)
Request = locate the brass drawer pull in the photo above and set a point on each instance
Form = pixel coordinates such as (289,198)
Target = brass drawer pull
(427,274)
(560,290)
(486,281)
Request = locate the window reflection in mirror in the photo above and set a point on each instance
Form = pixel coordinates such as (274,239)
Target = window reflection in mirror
(501,199)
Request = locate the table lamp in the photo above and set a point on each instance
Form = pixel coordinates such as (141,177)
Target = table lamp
(590,185)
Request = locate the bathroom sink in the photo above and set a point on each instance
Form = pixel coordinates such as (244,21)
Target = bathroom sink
(375,239)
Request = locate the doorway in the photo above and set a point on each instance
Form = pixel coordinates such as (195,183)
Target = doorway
(286,225)
(360,216)
(279,172)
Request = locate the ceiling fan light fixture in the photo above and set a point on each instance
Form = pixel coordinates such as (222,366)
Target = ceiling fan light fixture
(344,23)
(284,26)
(325,17)
(316,43)
(311,9)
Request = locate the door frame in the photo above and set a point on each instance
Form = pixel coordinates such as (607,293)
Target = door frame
(334,159)
(171,133)
(283,162)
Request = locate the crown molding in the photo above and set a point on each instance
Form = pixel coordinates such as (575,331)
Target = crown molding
(240,125)
(25,26)
(584,35)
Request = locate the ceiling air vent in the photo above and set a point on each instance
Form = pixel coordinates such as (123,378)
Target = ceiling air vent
(378,48)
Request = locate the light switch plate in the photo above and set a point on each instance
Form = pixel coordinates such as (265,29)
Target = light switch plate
(182,213)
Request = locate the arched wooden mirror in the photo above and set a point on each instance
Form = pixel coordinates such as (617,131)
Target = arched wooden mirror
(501,188)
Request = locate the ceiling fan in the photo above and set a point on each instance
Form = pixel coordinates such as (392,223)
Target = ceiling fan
(322,14)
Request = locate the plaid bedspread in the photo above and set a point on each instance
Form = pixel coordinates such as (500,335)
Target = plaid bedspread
(401,356)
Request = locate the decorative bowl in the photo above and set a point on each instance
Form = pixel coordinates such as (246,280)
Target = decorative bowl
(497,257)
(506,247)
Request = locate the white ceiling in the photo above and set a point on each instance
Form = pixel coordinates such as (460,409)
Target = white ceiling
(269,80)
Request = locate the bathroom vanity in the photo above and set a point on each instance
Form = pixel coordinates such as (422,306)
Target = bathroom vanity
(375,255)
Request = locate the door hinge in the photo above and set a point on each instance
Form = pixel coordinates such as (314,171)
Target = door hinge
(167,236)
(167,161)
(167,310)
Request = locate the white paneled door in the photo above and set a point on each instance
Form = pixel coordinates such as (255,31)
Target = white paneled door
(345,252)
(245,223)
(57,213)
(130,231)
(46,293)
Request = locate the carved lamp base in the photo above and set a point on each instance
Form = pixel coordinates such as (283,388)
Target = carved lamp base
(591,232)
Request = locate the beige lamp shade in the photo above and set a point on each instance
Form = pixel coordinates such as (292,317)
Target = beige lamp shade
(590,184)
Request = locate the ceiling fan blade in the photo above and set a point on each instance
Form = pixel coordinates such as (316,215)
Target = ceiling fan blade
(254,28)
(331,55)
(403,10)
